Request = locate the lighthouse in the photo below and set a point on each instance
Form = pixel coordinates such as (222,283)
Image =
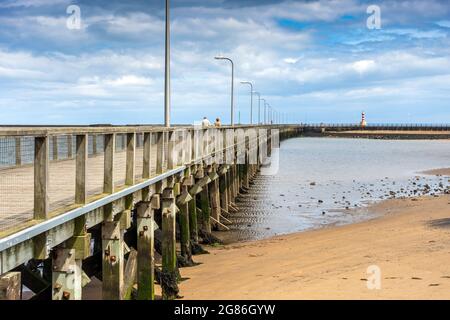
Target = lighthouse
(363,119)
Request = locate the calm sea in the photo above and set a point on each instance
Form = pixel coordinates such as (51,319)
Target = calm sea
(321,180)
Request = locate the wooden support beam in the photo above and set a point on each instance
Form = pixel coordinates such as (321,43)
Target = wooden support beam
(193,223)
(130,275)
(215,199)
(41,172)
(18,147)
(69,146)
(223,188)
(10,286)
(147,155)
(80,168)
(112,252)
(131,159)
(55,148)
(220,225)
(66,275)
(225,219)
(159,152)
(145,255)
(206,211)
(108,176)
(169,255)
(185,237)
(172,156)
(94,144)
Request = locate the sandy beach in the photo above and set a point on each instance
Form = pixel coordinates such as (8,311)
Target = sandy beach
(409,242)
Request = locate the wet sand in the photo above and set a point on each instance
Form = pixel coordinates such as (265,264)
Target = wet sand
(438,172)
(409,242)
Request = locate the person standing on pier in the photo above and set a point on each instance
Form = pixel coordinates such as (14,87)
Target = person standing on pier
(205,122)
(217,123)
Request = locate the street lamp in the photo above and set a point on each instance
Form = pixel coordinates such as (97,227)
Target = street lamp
(265,112)
(251,99)
(265,102)
(259,105)
(167,69)
(269,114)
(232,85)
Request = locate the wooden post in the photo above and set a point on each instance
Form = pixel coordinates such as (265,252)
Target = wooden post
(146,163)
(108,174)
(10,286)
(18,146)
(229,184)
(94,144)
(214,199)
(193,225)
(130,275)
(223,191)
(246,166)
(80,169)
(108,177)
(113,264)
(66,275)
(169,256)
(69,146)
(147,155)
(131,159)
(124,141)
(55,147)
(159,152)
(206,211)
(185,237)
(172,157)
(145,244)
(80,243)
(41,164)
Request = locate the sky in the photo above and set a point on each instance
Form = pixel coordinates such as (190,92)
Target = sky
(313,61)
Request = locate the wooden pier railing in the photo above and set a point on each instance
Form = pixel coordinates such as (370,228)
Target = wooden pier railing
(73,198)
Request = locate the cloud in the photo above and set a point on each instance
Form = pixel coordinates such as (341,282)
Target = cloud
(363,66)
(112,69)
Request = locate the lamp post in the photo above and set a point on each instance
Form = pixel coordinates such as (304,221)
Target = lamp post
(259,104)
(265,102)
(167,69)
(265,111)
(251,99)
(269,113)
(232,86)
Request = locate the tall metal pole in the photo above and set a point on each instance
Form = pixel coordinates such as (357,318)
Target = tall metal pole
(259,103)
(251,99)
(264,102)
(232,86)
(265,112)
(167,69)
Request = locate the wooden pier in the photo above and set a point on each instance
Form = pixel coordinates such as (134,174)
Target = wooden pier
(129,205)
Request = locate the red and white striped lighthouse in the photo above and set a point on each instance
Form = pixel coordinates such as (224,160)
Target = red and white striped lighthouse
(363,120)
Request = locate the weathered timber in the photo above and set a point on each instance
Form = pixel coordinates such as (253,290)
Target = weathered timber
(169,257)
(10,286)
(145,246)
(80,169)
(130,275)
(41,173)
(112,247)
(66,275)
(185,236)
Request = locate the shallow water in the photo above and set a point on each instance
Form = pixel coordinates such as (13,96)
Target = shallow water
(320,181)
